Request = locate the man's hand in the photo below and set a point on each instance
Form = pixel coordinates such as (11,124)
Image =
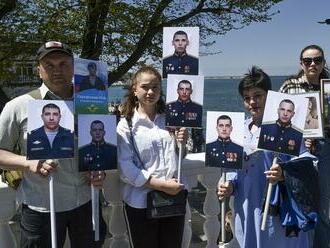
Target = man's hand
(275,174)
(181,135)
(225,190)
(42,167)
(97,178)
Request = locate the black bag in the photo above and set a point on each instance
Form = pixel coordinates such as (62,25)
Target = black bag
(162,205)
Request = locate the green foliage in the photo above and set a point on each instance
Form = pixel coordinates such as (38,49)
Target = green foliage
(122,33)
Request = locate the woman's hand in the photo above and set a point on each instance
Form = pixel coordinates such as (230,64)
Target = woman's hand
(275,174)
(170,186)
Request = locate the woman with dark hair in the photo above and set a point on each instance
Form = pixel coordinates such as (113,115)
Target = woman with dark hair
(248,185)
(147,158)
(313,69)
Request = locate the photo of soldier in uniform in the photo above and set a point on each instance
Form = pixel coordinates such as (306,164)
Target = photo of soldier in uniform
(97,150)
(180,50)
(91,86)
(325,101)
(283,135)
(313,123)
(224,150)
(184,107)
(50,140)
(91,81)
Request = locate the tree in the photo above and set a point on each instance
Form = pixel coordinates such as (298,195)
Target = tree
(122,33)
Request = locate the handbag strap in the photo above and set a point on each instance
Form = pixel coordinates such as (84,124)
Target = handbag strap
(129,122)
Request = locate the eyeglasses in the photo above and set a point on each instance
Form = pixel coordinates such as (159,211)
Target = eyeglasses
(308,61)
(255,98)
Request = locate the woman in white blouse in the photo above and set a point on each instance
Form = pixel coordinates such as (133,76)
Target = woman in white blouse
(148,161)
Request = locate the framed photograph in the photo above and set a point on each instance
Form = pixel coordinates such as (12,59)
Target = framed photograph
(184,101)
(283,123)
(325,101)
(50,129)
(313,123)
(91,86)
(224,139)
(180,50)
(97,142)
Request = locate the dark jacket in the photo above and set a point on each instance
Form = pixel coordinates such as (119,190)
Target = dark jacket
(38,146)
(97,157)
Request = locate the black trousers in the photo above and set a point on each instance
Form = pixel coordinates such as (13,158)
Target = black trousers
(36,228)
(156,233)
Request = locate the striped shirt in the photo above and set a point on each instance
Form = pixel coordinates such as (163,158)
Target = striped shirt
(298,86)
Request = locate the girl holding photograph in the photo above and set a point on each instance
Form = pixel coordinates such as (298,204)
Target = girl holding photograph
(248,185)
(147,157)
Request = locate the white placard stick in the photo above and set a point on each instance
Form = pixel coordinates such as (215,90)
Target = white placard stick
(180,161)
(93,205)
(269,194)
(223,209)
(52,211)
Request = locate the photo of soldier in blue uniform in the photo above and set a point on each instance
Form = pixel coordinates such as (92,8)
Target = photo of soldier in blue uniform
(184,112)
(91,81)
(281,136)
(223,152)
(50,141)
(98,154)
(180,62)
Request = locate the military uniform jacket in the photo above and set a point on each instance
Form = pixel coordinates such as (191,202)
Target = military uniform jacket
(226,154)
(97,157)
(38,146)
(85,84)
(184,64)
(179,114)
(276,138)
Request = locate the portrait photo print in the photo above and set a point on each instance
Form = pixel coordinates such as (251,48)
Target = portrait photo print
(184,101)
(180,50)
(97,142)
(50,129)
(283,123)
(224,139)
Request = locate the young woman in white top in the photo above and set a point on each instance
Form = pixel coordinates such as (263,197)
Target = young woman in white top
(157,148)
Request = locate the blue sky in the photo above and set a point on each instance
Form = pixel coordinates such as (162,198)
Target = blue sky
(275,45)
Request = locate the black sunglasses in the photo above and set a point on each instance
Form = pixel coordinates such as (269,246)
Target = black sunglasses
(308,61)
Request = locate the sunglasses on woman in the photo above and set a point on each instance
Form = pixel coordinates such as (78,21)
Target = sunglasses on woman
(308,61)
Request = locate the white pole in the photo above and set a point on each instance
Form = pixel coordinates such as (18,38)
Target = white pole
(52,211)
(180,161)
(95,213)
(266,208)
(223,210)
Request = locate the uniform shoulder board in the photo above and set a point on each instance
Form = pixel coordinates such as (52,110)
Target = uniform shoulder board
(192,56)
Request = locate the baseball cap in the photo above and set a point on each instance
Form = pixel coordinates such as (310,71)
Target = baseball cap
(53,46)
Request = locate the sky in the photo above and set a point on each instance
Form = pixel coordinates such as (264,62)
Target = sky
(275,45)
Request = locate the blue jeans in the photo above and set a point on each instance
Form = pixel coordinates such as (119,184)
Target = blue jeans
(36,228)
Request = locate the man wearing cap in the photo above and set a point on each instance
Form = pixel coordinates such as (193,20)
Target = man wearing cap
(71,189)
(224,152)
(281,136)
(91,81)
(184,112)
(180,62)
(99,154)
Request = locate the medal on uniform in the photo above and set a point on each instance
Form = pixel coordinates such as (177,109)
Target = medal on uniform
(186,69)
